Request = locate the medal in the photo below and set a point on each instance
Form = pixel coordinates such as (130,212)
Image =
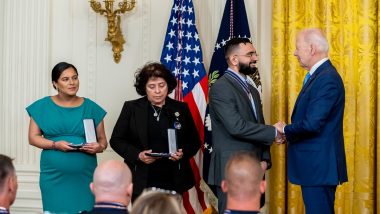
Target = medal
(177,125)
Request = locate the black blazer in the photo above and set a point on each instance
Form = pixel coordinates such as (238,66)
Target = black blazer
(130,137)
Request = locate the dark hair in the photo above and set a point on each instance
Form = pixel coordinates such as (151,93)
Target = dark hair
(58,69)
(153,69)
(6,169)
(233,43)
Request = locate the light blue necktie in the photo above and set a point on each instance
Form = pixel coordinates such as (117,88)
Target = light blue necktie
(307,77)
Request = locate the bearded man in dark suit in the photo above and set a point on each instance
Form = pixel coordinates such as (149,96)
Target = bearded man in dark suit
(236,114)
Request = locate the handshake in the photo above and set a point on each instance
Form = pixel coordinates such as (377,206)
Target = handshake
(280,137)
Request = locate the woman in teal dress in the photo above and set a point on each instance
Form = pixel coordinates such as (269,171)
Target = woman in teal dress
(56,124)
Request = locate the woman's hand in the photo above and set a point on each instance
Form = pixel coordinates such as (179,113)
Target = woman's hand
(92,148)
(177,156)
(145,158)
(63,146)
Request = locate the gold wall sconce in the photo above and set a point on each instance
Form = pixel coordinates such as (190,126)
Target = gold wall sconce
(114,34)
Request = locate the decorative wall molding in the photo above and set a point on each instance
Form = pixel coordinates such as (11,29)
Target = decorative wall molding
(91,54)
(24,79)
(25,58)
(146,29)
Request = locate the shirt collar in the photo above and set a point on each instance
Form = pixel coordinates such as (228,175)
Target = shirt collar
(4,210)
(243,77)
(316,65)
(239,79)
(227,211)
(110,205)
(240,75)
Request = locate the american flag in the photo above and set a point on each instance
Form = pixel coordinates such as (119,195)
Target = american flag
(182,55)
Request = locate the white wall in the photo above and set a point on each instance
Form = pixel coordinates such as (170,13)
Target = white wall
(35,35)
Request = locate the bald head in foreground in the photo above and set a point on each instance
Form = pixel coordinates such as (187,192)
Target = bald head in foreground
(112,187)
(243,182)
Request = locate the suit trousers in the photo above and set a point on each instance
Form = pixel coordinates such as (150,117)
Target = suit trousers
(319,199)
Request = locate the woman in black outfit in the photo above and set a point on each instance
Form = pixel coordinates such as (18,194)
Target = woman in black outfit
(142,128)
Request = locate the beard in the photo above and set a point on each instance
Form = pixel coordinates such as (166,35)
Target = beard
(247,69)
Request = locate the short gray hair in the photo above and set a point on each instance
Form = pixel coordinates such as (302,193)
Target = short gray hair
(315,36)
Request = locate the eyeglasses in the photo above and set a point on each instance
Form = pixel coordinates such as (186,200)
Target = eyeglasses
(249,55)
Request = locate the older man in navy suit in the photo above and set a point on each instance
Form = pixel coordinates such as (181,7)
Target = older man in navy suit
(316,157)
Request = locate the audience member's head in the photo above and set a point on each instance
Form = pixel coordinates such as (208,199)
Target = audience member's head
(243,182)
(112,182)
(154,202)
(8,182)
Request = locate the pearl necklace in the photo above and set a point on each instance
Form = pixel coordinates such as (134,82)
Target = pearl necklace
(157,113)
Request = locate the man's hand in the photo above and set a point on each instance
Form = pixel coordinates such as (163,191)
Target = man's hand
(280,138)
(280,126)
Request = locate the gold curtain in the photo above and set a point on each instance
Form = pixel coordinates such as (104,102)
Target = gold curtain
(352,29)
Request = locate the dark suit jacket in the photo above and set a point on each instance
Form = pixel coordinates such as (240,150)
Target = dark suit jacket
(234,125)
(316,147)
(130,137)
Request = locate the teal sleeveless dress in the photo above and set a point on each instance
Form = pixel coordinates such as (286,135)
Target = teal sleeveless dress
(65,176)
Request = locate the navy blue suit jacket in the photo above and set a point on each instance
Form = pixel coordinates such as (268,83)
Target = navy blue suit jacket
(315,137)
